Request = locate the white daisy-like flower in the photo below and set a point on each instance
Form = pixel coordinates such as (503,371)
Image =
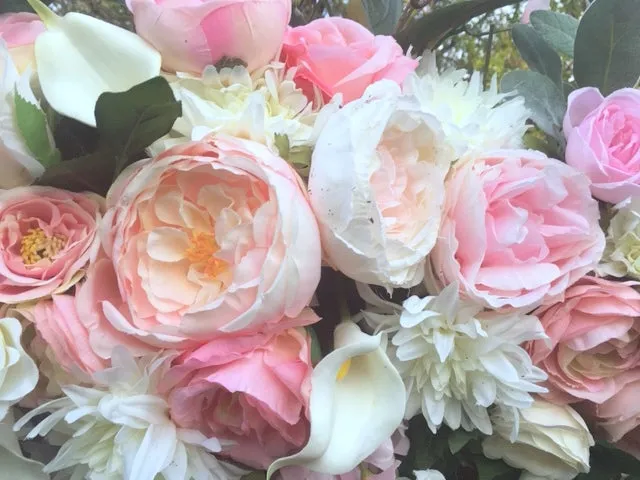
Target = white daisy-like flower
(121,429)
(474,119)
(259,106)
(457,360)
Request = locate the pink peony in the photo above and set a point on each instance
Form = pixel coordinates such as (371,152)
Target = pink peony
(594,348)
(338,55)
(253,390)
(191,34)
(19,31)
(518,229)
(47,236)
(603,136)
(210,238)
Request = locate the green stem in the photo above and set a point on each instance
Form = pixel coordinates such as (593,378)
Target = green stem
(47,16)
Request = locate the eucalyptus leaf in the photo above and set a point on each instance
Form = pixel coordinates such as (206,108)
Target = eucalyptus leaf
(543,98)
(537,53)
(32,125)
(606,53)
(557,29)
(383,15)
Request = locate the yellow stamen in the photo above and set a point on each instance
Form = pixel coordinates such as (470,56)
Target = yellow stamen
(344,369)
(37,245)
(201,253)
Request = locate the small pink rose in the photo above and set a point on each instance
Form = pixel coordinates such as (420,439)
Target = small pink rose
(594,341)
(191,34)
(47,236)
(19,31)
(603,141)
(253,390)
(338,55)
(532,6)
(518,229)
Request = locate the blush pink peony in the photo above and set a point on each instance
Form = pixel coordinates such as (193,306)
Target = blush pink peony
(603,141)
(19,31)
(252,390)
(192,34)
(47,236)
(210,238)
(518,229)
(338,55)
(619,418)
(594,341)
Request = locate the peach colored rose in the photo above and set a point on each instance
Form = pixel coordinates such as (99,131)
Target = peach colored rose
(19,31)
(603,141)
(253,390)
(47,236)
(518,229)
(594,341)
(210,238)
(338,55)
(191,34)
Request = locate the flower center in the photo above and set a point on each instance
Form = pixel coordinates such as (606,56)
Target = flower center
(344,369)
(201,253)
(37,245)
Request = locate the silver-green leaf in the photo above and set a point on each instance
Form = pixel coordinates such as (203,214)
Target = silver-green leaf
(557,29)
(383,15)
(537,53)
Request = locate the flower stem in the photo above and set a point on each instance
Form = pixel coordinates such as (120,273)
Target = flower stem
(48,17)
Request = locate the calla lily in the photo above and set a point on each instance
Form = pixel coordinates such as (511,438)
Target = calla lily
(80,57)
(357,402)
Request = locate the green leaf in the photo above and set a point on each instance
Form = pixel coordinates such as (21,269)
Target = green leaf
(12,6)
(558,29)
(383,15)
(130,121)
(543,98)
(459,439)
(606,51)
(537,53)
(316,350)
(494,469)
(32,124)
(93,173)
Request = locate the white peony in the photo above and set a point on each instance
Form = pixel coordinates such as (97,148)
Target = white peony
(122,429)
(622,254)
(18,372)
(456,360)
(552,441)
(473,119)
(377,187)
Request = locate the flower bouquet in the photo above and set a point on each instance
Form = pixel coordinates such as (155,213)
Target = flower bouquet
(254,240)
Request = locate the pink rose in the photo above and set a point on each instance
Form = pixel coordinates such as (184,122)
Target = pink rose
(603,141)
(191,34)
(594,347)
(619,418)
(532,6)
(253,390)
(47,236)
(19,31)
(518,229)
(338,55)
(210,238)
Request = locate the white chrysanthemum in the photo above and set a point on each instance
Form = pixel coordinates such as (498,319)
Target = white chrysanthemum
(122,429)
(257,106)
(474,119)
(455,359)
(622,254)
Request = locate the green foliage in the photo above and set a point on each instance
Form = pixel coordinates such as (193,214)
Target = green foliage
(32,125)
(537,53)
(606,49)
(557,29)
(383,15)
(608,463)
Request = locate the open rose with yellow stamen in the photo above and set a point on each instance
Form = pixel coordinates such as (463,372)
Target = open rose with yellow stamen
(47,236)
(209,238)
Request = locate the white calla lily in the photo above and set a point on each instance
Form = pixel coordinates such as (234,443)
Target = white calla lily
(80,57)
(357,402)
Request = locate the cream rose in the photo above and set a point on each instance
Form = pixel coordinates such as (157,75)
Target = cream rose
(622,253)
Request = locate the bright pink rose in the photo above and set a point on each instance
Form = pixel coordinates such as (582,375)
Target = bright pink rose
(253,390)
(518,229)
(338,55)
(210,238)
(191,34)
(19,31)
(47,236)
(603,136)
(594,347)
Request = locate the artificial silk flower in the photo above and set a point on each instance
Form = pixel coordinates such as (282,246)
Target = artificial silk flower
(456,360)
(356,403)
(13,462)
(80,57)
(621,256)
(122,429)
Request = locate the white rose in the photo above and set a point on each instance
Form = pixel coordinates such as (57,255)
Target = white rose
(16,162)
(377,187)
(552,441)
(622,255)
(18,372)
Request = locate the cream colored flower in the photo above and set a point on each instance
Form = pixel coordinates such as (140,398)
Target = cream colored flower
(552,441)
(622,254)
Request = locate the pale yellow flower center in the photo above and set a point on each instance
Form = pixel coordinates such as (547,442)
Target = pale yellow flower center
(201,253)
(36,245)
(344,370)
